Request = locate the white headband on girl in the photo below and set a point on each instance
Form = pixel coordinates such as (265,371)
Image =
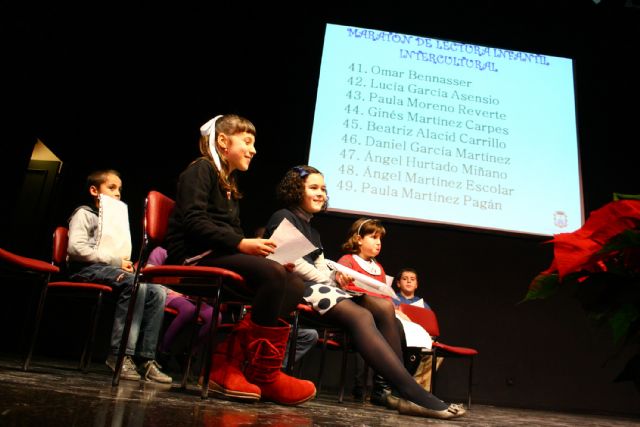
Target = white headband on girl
(209,128)
(361,224)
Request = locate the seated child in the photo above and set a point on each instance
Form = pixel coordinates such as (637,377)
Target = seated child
(369,320)
(407,282)
(362,246)
(89,263)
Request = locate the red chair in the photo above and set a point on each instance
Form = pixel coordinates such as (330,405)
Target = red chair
(45,271)
(428,320)
(217,284)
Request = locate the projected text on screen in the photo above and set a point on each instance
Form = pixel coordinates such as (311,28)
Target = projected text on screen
(430,130)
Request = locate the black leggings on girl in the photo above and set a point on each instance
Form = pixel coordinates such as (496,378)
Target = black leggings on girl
(372,326)
(277,291)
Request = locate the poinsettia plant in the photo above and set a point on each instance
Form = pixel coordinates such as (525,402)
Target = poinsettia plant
(601,263)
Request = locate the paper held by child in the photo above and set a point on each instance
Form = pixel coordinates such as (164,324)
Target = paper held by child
(114,235)
(364,281)
(291,243)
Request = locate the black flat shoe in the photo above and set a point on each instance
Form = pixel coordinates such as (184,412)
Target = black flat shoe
(409,408)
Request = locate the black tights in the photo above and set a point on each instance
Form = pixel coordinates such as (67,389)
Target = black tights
(277,291)
(372,326)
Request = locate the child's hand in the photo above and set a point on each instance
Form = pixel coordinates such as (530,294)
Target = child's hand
(127,265)
(343,279)
(260,247)
(290,267)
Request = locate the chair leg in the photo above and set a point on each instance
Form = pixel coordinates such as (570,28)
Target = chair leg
(36,326)
(293,340)
(367,388)
(322,357)
(434,369)
(470,380)
(298,368)
(87,351)
(192,341)
(210,342)
(343,369)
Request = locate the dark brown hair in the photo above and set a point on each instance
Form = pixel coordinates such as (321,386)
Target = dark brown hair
(290,190)
(97,178)
(229,124)
(360,228)
(397,277)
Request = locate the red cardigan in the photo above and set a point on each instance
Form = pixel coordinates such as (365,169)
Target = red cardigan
(349,261)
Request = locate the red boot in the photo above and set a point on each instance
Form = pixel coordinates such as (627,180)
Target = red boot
(265,352)
(226,378)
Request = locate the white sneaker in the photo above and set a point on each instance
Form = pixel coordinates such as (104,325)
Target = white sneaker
(129,371)
(152,372)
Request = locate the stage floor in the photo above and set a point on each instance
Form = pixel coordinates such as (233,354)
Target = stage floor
(55,393)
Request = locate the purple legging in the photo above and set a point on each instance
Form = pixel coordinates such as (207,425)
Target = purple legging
(186,310)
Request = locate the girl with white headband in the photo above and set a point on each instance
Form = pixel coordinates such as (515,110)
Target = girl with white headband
(204,229)
(361,248)
(369,320)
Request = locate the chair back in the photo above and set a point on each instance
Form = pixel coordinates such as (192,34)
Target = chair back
(156,217)
(60,244)
(423,317)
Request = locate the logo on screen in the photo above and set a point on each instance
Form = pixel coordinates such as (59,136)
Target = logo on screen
(560,219)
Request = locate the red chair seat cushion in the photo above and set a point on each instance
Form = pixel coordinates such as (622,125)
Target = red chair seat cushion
(81,285)
(28,263)
(191,271)
(453,350)
(331,344)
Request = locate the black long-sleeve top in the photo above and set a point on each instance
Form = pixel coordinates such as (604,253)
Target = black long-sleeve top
(205,216)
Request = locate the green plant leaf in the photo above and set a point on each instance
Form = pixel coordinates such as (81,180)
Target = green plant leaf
(543,286)
(621,319)
(620,196)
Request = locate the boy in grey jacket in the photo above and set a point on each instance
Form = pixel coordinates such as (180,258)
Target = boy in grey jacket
(89,263)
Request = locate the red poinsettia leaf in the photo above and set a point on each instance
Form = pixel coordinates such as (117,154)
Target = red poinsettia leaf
(575,251)
(572,255)
(602,262)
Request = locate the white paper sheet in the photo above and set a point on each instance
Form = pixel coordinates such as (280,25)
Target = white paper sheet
(389,280)
(114,235)
(419,303)
(415,334)
(364,281)
(291,243)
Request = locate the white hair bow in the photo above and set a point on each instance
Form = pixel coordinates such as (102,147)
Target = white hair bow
(209,128)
